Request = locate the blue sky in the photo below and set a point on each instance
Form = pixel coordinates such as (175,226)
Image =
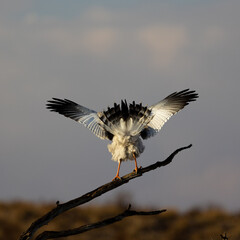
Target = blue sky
(97,53)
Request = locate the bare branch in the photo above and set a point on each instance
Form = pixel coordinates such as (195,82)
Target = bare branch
(44,220)
(224,237)
(127,213)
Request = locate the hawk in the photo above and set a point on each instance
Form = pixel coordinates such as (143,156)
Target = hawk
(125,125)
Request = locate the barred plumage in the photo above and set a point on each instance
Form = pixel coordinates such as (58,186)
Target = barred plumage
(125,124)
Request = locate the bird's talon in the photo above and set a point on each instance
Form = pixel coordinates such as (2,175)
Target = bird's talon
(136,170)
(116,178)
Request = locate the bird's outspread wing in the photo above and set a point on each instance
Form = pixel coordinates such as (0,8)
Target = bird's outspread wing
(166,108)
(87,117)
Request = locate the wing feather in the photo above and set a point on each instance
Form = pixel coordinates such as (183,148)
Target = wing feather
(166,108)
(81,114)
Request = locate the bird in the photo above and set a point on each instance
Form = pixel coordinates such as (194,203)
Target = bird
(125,125)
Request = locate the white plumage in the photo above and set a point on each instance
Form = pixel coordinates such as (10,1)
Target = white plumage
(125,125)
(123,147)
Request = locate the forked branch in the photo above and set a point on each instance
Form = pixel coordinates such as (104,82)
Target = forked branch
(127,213)
(44,220)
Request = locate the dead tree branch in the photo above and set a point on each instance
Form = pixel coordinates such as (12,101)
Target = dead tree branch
(224,237)
(127,213)
(44,220)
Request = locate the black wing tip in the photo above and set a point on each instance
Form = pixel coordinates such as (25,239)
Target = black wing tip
(183,97)
(61,106)
(60,101)
(53,103)
(190,95)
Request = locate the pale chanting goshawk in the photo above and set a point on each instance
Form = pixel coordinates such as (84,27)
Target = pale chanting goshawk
(125,124)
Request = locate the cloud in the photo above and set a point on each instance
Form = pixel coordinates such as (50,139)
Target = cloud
(90,34)
(72,37)
(163,42)
(97,14)
(100,41)
(96,42)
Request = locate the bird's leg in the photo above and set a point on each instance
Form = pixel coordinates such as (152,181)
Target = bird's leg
(136,167)
(117,175)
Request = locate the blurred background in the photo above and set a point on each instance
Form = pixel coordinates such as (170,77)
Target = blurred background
(97,53)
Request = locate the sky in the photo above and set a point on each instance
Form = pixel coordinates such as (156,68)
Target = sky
(97,53)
